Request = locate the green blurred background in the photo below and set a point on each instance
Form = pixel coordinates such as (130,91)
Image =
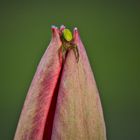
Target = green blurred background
(111,33)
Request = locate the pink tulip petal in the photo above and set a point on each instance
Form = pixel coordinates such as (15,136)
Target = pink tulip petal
(39,106)
(78,113)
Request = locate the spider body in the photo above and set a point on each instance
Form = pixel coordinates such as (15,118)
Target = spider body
(67,44)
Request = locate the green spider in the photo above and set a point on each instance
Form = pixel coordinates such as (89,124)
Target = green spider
(67,44)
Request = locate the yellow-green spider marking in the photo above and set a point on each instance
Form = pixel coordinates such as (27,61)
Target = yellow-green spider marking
(67,44)
(67,35)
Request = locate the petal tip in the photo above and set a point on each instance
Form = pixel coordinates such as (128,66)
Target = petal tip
(75,33)
(53,27)
(62,27)
(75,28)
(56,34)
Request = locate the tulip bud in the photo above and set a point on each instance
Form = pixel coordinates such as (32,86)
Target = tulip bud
(63,101)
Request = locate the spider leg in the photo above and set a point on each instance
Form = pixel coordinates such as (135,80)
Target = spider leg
(76,52)
(64,49)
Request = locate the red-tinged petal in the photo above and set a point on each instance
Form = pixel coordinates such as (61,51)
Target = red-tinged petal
(62,27)
(38,111)
(78,114)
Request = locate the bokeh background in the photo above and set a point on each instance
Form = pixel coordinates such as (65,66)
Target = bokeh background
(110,31)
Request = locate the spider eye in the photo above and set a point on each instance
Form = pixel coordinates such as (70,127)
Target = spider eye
(67,35)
